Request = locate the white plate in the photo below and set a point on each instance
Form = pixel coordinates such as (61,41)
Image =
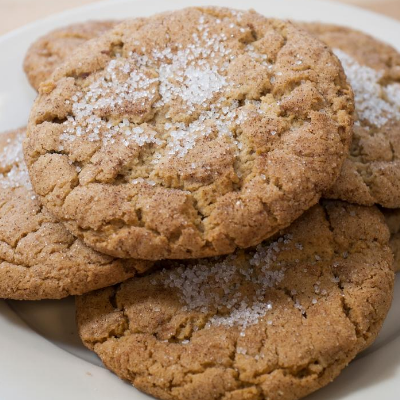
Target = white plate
(41,355)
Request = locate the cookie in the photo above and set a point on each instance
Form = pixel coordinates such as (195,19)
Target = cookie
(189,134)
(392,218)
(39,258)
(51,50)
(276,322)
(371,174)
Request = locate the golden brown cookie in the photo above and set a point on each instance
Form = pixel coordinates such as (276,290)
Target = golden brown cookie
(277,322)
(189,133)
(371,174)
(51,50)
(392,218)
(39,258)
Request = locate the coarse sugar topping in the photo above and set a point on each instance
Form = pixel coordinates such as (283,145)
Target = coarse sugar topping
(192,79)
(13,168)
(374,102)
(233,288)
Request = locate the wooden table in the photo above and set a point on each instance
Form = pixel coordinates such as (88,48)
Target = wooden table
(15,13)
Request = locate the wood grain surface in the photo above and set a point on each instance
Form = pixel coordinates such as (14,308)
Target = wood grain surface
(16,13)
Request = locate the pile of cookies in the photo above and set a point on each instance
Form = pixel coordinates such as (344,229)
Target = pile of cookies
(217,187)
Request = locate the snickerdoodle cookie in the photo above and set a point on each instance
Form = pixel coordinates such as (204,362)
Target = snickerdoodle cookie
(275,322)
(371,174)
(51,50)
(39,258)
(189,134)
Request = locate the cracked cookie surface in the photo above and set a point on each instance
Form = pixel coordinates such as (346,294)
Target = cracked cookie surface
(51,50)
(371,173)
(276,322)
(39,258)
(392,217)
(189,134)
